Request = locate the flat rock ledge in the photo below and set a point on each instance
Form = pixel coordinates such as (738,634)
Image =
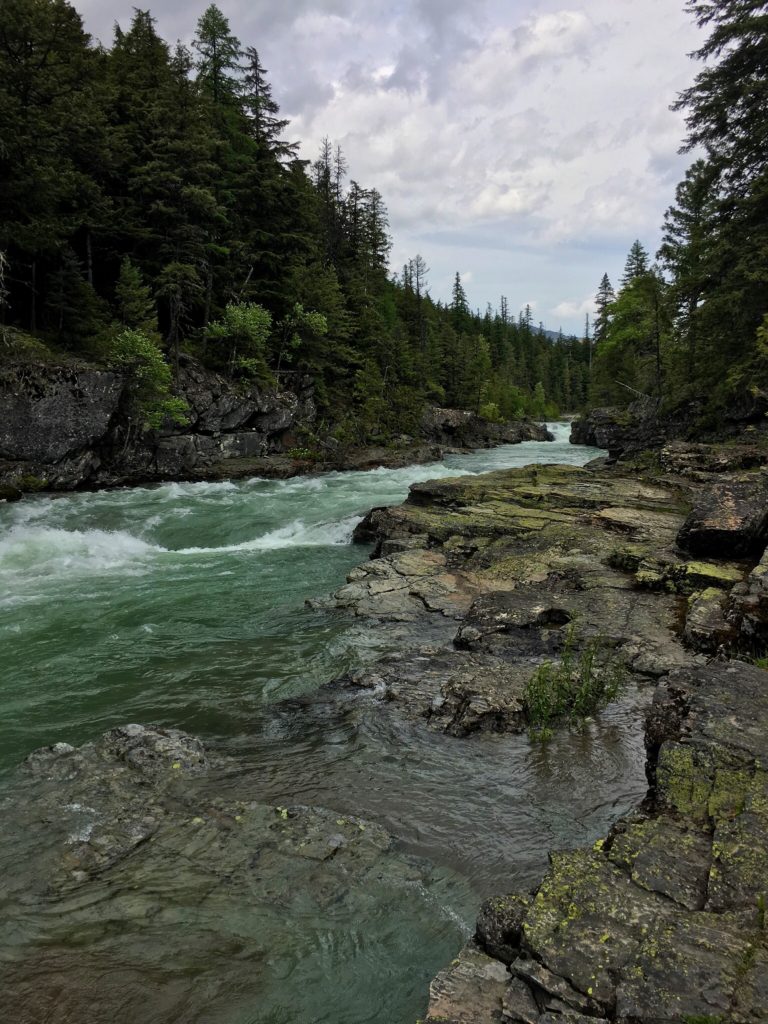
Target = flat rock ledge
(662,921)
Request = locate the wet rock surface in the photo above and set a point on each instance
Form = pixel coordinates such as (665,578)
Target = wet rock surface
(141,849)
(664,919)
(505,570)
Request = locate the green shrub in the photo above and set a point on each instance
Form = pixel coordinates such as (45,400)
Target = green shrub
(577,686)
(240,337)
(149,379)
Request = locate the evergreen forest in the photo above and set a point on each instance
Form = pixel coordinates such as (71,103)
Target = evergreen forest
(152,207)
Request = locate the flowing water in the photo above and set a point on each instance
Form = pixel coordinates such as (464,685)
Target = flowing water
(184,605)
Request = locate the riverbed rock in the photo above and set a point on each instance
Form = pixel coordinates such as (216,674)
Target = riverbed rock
(687,458)
(706,626)
(455,692)
(153,861)
(527,561)
(661,921)
(470,991)
(748,609)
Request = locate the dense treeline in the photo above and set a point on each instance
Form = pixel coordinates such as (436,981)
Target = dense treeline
(694,327)
(150,205)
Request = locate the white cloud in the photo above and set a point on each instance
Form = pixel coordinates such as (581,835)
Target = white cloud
(569,309)
(535,138)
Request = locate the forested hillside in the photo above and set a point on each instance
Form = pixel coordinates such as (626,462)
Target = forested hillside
(693,326)
(151,206)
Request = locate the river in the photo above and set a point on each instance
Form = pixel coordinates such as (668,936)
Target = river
(184,605)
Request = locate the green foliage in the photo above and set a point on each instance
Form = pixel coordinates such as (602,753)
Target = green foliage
(134,304)
(629,356)
(29,484)
(150,189)
(242,335)
(577,686)
(140,357)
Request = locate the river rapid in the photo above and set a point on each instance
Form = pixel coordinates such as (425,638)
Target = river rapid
(184,605)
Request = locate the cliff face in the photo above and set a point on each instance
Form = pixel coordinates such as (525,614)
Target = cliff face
(63,427)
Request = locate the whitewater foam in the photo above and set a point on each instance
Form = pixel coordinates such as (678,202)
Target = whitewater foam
(36,550)
(296,534)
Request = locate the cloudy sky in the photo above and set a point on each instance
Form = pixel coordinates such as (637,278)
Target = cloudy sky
(524,143)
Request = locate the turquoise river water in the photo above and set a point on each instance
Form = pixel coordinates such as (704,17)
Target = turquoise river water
(184,605)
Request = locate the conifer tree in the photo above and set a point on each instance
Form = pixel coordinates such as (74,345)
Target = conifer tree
(134,304)
(603,301)
(218,65)
(636,264)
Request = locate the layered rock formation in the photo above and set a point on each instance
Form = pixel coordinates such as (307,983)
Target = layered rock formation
(462,429)
(645,425)
(664,919)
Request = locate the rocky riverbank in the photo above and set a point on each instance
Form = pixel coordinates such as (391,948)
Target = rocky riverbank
(663,919)
(645,425)
(64,427)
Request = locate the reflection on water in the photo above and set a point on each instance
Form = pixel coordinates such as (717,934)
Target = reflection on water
(184,605)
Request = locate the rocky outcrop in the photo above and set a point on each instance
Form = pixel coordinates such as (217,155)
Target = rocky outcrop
(502,572)
(63,427)
(52,420)
(664,919)
(462,429)
(51,413)
(622,430)
(736,439)
(729,518)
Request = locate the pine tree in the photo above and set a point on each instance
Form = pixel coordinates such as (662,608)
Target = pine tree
(636,265)
(603,300)
(686,252)
(218,66)
(262,110)
(52,136)
(134,304)
(726,116)
(727,102)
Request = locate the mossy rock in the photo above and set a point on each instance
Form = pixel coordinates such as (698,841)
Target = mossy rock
(709,575)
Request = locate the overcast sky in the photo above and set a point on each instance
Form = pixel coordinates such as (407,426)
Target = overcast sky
(524,143)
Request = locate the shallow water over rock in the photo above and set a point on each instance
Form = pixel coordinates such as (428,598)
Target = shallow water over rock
(253,894)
